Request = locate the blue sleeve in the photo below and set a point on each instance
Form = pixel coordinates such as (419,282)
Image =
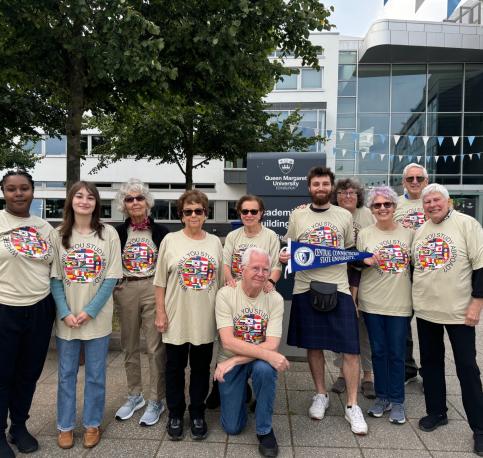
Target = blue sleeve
(101,297)
(57,289)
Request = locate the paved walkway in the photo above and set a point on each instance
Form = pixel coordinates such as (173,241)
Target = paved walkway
(298,436)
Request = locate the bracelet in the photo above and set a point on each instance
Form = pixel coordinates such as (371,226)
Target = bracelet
(271,281)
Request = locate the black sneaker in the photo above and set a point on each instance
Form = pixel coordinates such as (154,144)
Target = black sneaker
(410,377)
(25,442)
(478,444)
(175,428)
(431,422)
(268,444)
(199,429)
(5,449)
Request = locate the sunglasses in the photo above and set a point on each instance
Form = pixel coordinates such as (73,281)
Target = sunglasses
(252,211)
(196,211)
(379,205)
(419,179)
(129,199)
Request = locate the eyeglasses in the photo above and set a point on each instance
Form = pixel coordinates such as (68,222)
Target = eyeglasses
(252,211)
(346,193)
(379,205)
(130,199)
(196,211)
(419,179)
(260,270)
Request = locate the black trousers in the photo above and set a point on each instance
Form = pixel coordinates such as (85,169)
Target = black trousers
(24,338)
(431,345)
(410,366)
(176,362)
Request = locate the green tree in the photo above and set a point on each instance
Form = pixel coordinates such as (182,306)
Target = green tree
(77,55)
(214,107)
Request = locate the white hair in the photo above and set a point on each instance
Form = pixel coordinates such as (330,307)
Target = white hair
(419,166)
(435,187)
(133,186)
(245,260)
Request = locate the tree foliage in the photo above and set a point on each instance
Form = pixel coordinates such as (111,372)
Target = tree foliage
(214,107)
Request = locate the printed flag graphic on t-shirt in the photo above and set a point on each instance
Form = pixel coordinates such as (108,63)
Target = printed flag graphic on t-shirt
(198,272)
(251,328)
(83,265)
(28,242)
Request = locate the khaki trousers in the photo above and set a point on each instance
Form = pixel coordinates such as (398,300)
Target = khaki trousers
(137,310)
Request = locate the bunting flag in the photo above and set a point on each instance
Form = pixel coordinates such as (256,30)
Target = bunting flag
(355,136)
(363,154)
(382,156)
(329,133)
(305,256)
(478,154)
(418,158)
(341,135)
(454,157)
(382,137)
(436,158)
(471,139)
(471,156)
(396,139)
(292,127)
(440,140)
(343,152)
(411,139)
(410,158)
(400,157)
(455,139)
(445,158)
(425,139)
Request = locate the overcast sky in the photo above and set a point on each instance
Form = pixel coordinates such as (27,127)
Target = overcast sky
(353,17)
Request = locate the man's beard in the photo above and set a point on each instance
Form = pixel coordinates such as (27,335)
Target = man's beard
(320,199)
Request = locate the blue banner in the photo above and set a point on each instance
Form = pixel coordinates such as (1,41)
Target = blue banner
(304,256)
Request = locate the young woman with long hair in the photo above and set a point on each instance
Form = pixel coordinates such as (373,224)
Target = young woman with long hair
(85,270)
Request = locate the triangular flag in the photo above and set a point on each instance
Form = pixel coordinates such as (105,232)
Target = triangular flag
(410,158)
(292,127)
(396,139)
(400,157)
(445,158)
(454,157)
(329,133)
(363,154)
(343,152)
(436,158)
(383,138)
(355,136)
(341,134)
(455,139)
(471,156)
(382,156)
(411,139)
(316,132)
(471,139)
(478,154)
(425,139)
(440,140)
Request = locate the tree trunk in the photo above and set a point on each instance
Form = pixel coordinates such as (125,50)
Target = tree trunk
(74,121)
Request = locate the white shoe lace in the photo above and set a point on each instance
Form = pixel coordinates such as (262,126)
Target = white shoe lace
(356,416)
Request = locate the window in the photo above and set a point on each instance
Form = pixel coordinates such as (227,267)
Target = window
(161,210)
(231,210)
(37,208)
(374,88)
(347,57)
(408,87)
(474,85)
(445,87)
(2,204)
(96,140)
(106,209)
(54,208)
(311,78)
(287,82)
(83,144)
(55,146)
(55,184)
(35,147)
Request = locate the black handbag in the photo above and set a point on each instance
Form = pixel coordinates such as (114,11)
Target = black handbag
(323,296)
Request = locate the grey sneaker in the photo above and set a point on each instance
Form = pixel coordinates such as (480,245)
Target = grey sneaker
(152,413)
(134,402)
(379,407)
(397,415)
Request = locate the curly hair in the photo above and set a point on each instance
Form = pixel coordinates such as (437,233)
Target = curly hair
(133,186)
(348,183)
(384,191)
(20,172)
(193,196)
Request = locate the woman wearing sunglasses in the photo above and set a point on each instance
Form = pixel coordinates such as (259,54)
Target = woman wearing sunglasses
(385,300)
(140,240)
(86,268)
(189,272)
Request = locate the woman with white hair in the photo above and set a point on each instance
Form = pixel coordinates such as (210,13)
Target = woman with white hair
(385,301)
(140,240)
(448,293)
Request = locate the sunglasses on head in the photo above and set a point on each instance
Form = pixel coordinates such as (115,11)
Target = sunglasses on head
(196,211)
(252,211)
(419,179)
(130,199)
(379,205)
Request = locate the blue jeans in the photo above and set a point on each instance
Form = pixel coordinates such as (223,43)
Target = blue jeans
(233,396)
(387,335)
(95,381)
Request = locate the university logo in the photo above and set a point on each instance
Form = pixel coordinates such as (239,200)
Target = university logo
(304,256)
(286,165)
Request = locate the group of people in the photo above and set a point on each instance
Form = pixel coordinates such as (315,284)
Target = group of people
(183,290)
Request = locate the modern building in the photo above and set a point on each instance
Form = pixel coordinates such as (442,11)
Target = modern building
(410,90)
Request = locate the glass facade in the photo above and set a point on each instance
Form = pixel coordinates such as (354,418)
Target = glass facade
(431,107)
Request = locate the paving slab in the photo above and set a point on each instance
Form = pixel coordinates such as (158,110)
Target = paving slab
(251,451)
(124,448)
(169,449)
(328,452)
(281,428)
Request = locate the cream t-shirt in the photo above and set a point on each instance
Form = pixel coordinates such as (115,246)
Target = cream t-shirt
(409,213)
(237,242)
(445,256)
(82,268)
(253,318)
(139,255)
(25,256)
(333,228)
(191,271)
(361,218)
(386,288)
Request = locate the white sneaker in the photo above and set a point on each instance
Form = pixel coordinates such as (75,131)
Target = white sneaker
(133,403)
(320,403)
(152,413)
(354,416)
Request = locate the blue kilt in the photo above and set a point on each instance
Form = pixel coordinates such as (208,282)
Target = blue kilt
(337,331)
